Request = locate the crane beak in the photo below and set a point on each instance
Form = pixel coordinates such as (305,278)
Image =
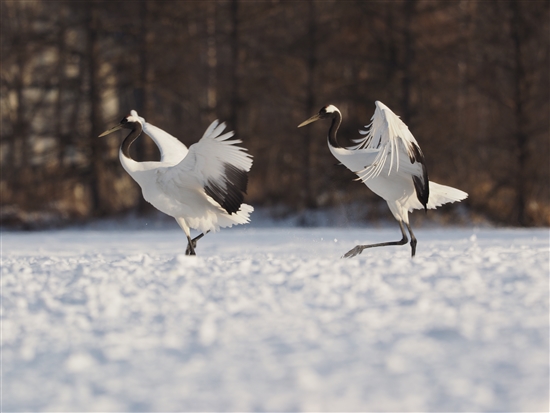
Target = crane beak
(117,127)
(310,120)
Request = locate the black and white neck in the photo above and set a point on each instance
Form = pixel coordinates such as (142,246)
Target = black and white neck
(333,112)
(136,130)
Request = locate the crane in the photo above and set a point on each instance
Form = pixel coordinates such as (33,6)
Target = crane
(202,187)
(389,161)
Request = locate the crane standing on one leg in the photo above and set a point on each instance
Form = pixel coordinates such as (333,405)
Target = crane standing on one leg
(389,161)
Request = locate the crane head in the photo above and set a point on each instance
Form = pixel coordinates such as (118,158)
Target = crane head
(325,113)
(128,122)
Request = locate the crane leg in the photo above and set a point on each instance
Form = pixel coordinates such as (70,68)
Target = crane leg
(413,241)
(359,248)
(192,243)
(190,247)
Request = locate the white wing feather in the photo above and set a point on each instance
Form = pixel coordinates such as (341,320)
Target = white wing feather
(391,138)
(208,156)
(206,163)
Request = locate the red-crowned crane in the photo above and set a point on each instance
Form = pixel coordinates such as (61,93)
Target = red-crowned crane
(202,187)
(390,162)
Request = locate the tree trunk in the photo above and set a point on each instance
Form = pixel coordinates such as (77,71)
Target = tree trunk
(144,145)
(519,80)
(211,61)
(235,100)
(308,159)
(409,9)
(97,148)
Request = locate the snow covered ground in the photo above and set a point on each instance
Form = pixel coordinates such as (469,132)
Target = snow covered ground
(271,319)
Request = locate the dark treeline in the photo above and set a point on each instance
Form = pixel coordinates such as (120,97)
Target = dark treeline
(471,79)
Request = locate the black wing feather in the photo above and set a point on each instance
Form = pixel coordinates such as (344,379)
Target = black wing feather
(229,193)
(421,183)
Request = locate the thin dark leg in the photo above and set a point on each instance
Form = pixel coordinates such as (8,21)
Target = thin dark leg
(190,247)
(359,248)
(192,244)
(413,240)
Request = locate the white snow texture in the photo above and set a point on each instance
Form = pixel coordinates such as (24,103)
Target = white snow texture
(271,319)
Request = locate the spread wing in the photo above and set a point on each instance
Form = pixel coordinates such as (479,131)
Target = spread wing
(218,165)
(398,150)
(172,151)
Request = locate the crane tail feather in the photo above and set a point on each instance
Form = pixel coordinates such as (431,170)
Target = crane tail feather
(442,194)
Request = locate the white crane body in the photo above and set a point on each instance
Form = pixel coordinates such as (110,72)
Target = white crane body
(395,185)
(389,161)
(201,187)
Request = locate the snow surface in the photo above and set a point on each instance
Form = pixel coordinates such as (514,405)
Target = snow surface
(271,319)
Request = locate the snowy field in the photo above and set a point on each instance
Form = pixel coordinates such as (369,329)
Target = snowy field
(271,319)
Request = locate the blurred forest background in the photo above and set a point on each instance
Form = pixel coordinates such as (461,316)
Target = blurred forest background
(470,78)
